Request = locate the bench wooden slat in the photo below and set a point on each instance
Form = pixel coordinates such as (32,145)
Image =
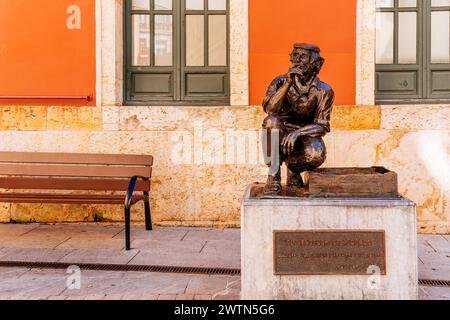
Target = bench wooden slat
(65,198)
(18,169)
(57,183)
(75,158)
(76,172)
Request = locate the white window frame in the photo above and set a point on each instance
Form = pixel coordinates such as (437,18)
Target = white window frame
(110,57)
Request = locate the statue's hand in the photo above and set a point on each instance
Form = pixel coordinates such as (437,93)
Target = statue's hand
(289,80)
(289,141)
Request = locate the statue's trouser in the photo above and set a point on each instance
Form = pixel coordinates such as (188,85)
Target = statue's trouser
(309,152)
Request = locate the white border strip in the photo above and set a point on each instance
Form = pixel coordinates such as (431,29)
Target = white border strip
(365,52)
(98,51)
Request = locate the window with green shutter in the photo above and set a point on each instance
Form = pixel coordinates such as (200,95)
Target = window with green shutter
(412,51)
(177,52)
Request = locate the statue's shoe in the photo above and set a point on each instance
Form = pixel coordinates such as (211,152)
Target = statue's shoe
(272,188)
(295,180)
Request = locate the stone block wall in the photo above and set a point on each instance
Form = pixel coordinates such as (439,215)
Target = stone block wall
(206,156)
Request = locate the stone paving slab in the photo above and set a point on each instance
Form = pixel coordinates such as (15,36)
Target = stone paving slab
(33,284)
(2,252)
(185,260)
(127,283)
(111,283)
(93,230)
(214,285)
(213,234)
(435,273)
(113,297)
(439,243)
(227,297)
(230,248)
(16,230)
(424,247)
(435,259)
(94,297)
(185,297)
(167,297)
(91,243)
(203,297)
(140,297)
(104,256)
(156,233)
(435,293)
(38,298)
(26,241)
(172,246)
(11,273)
(148,297)
(33,254)
(57,298)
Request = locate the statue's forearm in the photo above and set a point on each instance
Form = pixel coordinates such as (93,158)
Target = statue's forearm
(313,130)
(276,102)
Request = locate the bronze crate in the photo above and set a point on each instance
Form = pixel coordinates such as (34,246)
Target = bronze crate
(352,181)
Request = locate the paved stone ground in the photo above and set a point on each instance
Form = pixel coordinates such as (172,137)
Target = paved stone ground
(99,243)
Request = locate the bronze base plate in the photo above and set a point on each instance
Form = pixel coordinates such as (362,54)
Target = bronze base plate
(257,192)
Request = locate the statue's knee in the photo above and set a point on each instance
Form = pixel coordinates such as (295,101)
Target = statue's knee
(315,153)
(273,122)
(316,160)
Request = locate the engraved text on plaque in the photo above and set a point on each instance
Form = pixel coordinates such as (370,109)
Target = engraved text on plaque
(329,252)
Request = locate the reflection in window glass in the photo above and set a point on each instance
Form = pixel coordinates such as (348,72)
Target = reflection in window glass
(440,37)
(195,40)
(163,40)
(140,5)
(140,40)
(217,4)
(440,3)
(194,4)
(217,43)
(407,3)
(407,37)
(385,3)
(385,38)
(163,4)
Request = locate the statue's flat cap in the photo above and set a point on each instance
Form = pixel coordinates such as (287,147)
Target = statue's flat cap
(307,46)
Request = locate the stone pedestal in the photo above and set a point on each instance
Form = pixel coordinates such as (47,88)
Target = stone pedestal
(394,218)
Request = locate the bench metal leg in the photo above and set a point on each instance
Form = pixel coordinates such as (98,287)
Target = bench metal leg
(148,217)
(127,229)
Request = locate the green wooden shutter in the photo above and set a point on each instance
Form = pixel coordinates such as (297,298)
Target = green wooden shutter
(438,74)
(205,83)
(424,81)
(398,80)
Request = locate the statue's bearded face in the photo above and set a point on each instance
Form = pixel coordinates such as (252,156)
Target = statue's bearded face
(302,63)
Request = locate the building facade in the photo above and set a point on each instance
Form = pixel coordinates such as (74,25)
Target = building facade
(183,80)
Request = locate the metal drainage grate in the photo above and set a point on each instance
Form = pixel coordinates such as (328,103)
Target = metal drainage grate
(159,269)
(434,283)
(121,267)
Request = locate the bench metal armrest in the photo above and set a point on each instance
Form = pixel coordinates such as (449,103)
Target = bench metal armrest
(131,188)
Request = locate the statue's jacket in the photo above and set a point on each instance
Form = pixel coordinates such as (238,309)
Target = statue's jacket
(304,105)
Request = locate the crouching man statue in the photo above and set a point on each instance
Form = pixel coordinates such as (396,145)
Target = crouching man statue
(299,106)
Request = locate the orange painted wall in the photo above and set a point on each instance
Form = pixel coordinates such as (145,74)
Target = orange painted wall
(40,56)
(274,26)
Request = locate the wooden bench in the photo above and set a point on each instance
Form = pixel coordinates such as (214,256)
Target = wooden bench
(25,176)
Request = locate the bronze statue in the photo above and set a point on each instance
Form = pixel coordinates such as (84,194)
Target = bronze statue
(299,106)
